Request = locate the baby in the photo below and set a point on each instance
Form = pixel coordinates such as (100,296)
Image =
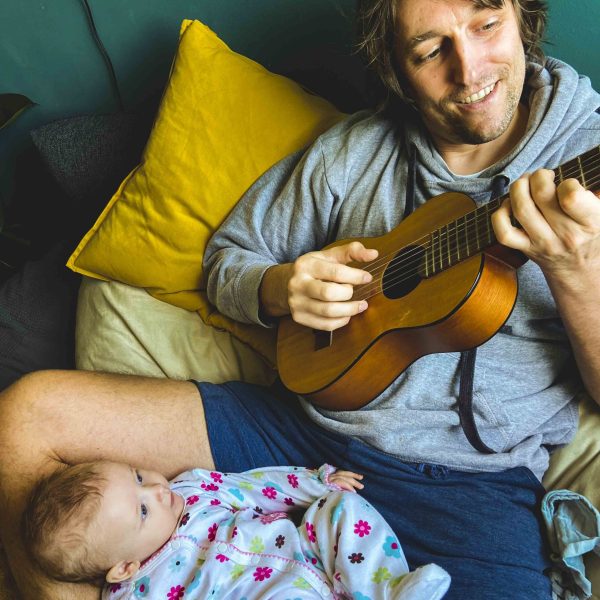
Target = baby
(219,535)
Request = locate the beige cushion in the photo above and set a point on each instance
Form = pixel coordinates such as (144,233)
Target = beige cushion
(122,329)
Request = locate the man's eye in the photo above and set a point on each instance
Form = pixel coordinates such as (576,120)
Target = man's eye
(138,477)
(430,56)
(144,511)
(489,26)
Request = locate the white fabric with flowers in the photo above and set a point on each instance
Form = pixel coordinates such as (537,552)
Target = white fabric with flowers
(284,533)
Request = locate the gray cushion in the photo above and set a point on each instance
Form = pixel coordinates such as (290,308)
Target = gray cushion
(37,317)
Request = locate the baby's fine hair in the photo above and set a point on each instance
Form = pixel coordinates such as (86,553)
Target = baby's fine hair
(57,522)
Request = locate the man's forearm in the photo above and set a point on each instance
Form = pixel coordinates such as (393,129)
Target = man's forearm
(273,291)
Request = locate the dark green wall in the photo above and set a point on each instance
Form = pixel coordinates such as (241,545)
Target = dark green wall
(48,54)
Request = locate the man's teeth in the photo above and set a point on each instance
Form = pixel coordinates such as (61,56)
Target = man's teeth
(479,95)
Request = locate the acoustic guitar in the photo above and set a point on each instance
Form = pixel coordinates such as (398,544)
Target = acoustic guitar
(441,283)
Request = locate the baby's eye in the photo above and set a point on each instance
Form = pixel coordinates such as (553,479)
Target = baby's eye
(138,477)
(144,511)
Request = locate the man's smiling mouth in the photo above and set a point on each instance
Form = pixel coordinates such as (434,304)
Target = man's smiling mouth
(477,96)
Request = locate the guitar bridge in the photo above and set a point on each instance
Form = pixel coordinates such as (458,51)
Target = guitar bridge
(323,339)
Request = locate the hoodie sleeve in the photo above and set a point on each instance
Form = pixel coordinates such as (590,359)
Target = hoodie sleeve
(286,213)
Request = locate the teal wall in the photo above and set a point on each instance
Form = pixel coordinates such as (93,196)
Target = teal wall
(573,35)
(48,54)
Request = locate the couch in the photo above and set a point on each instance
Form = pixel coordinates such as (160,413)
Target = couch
(102,314)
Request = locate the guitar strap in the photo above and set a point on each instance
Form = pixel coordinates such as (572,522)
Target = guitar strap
(465,401)
(467,368)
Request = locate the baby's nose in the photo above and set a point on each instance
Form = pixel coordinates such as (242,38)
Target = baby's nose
(162,491)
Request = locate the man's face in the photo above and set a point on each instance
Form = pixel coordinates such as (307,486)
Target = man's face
(465,67)
(138,512)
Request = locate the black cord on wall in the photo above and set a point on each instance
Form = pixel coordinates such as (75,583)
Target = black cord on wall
(105,56)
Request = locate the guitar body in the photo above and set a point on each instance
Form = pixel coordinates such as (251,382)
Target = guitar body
(457,309)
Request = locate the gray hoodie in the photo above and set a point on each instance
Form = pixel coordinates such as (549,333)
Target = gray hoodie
(352,182)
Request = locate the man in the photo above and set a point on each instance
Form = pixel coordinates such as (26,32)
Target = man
(459,118)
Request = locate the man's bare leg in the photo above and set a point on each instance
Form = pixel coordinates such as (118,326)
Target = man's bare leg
(52,418)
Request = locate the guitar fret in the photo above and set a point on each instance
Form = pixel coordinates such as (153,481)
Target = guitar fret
(448,245)
(583,183)
(560,174)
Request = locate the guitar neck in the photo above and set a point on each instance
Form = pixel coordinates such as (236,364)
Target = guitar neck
(473,232)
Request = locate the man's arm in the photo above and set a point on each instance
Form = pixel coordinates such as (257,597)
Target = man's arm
(561,233)
(52,418)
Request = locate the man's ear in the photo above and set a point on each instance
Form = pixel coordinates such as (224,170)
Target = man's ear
(123,570)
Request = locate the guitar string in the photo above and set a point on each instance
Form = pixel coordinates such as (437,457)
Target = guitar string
(469,224)
(469,219)
(400,275)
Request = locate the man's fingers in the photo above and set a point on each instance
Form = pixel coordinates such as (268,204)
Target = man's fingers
(581,205)
(506,233)
(351,252)
(326,316)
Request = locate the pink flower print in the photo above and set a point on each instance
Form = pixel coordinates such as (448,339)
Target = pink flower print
(310,532)
(176,593)
(234,532)
(185,518)
(215,502)
(269,492)
(192,500)
(115,587)
(216,477)
(212,532)
(293,480)
(262,573)
(209,487)
(221,558)
(362,528)
(289,501)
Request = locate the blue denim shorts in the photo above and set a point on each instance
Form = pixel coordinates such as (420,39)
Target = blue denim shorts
(485,529)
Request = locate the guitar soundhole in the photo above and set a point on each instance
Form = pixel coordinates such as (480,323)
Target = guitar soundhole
(403,273)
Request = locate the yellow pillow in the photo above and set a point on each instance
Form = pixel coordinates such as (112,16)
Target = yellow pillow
(223,121)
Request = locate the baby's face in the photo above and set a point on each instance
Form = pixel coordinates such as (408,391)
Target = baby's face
(138,512)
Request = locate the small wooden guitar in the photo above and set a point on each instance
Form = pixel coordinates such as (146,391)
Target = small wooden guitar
(441,283)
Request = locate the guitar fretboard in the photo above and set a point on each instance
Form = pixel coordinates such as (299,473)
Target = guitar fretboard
(473,232)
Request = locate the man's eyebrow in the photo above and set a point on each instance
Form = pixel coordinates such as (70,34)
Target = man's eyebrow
(419,39)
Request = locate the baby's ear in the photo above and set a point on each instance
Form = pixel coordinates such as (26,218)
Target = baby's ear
(123,570)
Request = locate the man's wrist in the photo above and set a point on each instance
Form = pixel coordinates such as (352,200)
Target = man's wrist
(273,292)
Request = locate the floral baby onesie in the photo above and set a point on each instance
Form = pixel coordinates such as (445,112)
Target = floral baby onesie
(281,533)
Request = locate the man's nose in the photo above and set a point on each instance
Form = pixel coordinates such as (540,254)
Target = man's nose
(465,60)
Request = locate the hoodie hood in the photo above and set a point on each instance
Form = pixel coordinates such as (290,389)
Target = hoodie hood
(563,123)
